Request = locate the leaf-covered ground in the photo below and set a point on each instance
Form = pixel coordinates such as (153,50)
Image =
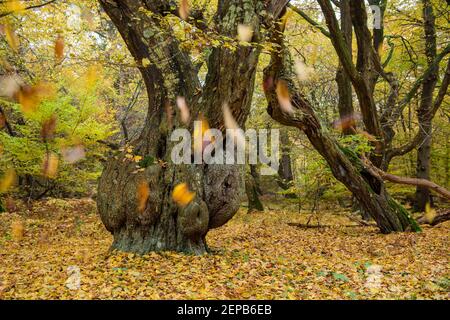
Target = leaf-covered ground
(254,256)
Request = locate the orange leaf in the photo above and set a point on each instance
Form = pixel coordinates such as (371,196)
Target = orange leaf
(59,49)
(184,9)
(143,192)
(283,96)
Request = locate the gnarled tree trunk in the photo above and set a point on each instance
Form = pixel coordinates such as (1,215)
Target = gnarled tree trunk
(162,225)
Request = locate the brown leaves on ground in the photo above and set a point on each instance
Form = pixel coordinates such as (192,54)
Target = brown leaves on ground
(254,256)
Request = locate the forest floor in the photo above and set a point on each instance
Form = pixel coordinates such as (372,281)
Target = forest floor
(255,256)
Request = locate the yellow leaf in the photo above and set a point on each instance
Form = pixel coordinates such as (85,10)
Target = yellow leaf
(145,62)
(182,195)
(143,193)
(8,180)
(17,230)
(15,5)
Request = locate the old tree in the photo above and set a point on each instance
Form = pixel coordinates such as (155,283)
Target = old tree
(169,74)
(169,71)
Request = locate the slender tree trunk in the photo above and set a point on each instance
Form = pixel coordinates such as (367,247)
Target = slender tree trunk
(423,195)
(285,175)
(345,105)
(162,224)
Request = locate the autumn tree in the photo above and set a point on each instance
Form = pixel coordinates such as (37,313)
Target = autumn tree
(168,72)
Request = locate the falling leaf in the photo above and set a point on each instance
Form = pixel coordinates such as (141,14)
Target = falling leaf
(50,165)
(231,124)
(9,85)
(48,128)
(17,230)
(59,49)
(302,71)
(182,195)
(182,105)
(8,180)
(143,192)
(73,154)
(201,140)
(430,213)
(283,96)
(184,9)
(145,62)
(346,122)
(11,37)
(245,33)
(31,96)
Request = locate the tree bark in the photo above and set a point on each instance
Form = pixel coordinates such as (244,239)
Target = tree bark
(423,195)
(163,225)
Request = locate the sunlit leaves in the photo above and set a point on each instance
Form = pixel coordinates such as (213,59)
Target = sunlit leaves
(182,195)
(143,192)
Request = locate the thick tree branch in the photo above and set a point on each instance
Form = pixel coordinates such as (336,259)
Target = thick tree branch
(407,181)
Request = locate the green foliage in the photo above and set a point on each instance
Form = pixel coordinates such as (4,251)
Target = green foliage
(81,121)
